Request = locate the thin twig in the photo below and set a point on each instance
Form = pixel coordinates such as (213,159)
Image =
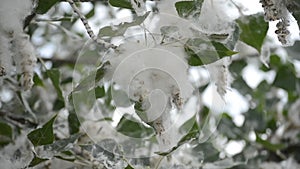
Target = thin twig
(237,7)
(158,162)
(88,27)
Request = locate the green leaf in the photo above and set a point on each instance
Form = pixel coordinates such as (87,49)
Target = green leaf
(285,78)
(129,167)
(130,127)
(67,80)
(268,145)
(188,8)
(121,98)
(37,80)
(82,98)
(237,66)
(191,135)
(89,82)
(63,144)
(233,38)
(140,109)
(256,120)
(205,152)
(121,3)
(74,123)
(275,62)
(119,30)
(193,59)
(222,50)
(99,92)
(54,76)
(204,115)
(6,134)
(185,8)
(58,104)
(202,52)
(43,135)
(187,125)
(44,5)
(253,30)
(90,14)
(36,160)
(228,128)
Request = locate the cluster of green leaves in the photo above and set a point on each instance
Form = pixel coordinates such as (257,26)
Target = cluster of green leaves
(44,137)
(264,117)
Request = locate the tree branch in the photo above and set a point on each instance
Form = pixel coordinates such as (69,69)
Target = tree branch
(88,27)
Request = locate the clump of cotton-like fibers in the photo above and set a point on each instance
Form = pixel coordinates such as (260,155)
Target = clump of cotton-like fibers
(25,59)
(15,44)
(139,6)
(220,75)
(276,10)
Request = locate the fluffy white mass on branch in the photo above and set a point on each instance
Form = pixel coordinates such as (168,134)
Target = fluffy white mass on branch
(13,13)
(220,75)
(24,56)
(15,44)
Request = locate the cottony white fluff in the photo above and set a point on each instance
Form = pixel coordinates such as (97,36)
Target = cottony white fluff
(139,7)
(16,154)
(13,13)
(155,76)
(213,18)
(220,75)
(25,59)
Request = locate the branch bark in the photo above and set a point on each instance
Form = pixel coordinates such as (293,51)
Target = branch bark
(88,27)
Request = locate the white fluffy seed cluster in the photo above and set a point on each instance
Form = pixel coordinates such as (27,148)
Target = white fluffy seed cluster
(282,31)
(25,59)
(220,75)
(276,10)
(16,47)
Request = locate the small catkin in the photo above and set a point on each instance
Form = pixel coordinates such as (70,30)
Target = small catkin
(277,10)
(220,75)
(15,45)
(25,59)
